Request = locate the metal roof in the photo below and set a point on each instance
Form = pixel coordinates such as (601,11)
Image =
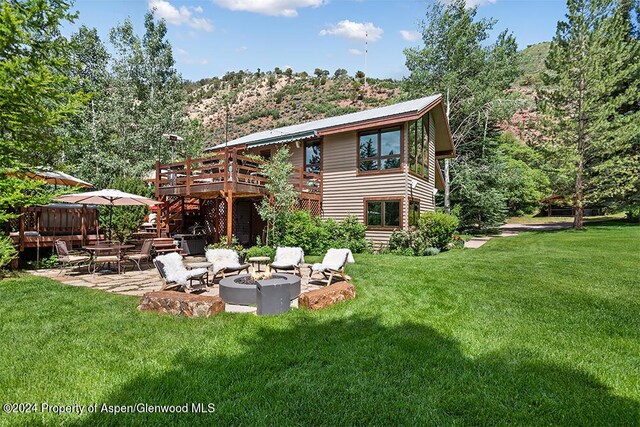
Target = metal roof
(311,129)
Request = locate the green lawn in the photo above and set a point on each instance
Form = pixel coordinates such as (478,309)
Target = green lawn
(534,219)
(543,328)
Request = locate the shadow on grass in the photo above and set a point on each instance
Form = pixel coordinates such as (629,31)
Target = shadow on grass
(363,372)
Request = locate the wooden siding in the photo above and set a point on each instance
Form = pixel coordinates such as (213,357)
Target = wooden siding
(424,189)
(344,191)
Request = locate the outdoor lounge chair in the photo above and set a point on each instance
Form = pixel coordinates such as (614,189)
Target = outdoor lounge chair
(176,276)
(288,259)
(333,264)
(225,261)
(68,259)
(143,255)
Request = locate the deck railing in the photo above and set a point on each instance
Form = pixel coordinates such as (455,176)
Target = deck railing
(228,171)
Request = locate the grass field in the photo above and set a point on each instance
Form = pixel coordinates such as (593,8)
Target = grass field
(533,219)
(539,329)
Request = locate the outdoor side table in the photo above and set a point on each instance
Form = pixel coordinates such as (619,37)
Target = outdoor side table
(260,260)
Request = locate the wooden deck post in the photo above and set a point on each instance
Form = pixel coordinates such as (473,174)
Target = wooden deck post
(157,180)
(83,224)
(301,179)
(188,167)
(21,233)
(229,216)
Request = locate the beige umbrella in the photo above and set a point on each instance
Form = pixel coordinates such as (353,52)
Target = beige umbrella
(52,177)
(108,197)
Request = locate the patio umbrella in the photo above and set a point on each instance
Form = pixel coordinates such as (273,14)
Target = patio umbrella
(51,177)
(108,197)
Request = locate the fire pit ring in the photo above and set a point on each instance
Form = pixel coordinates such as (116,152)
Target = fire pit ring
(241,290)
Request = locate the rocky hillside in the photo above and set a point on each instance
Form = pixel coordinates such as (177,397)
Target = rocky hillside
(259,101)
(524,122)
(243,102)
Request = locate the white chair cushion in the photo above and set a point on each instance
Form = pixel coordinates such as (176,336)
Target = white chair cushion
(174,268)
(287,257)
(335,259)
(222,258)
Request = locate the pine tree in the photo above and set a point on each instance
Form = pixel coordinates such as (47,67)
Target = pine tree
(591,100)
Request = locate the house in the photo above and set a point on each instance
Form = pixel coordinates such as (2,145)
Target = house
(379,165)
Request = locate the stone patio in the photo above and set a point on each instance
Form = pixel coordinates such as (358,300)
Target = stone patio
(137,283)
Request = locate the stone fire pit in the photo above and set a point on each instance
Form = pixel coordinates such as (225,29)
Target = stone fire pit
(242,290)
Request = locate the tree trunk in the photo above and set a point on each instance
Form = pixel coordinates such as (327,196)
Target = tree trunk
(578,211)
(447,180)
(447,187)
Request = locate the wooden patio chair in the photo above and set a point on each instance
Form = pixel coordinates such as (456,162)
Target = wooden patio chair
(69,259)
(175,275)
(333,264)
(225,261)
(288,259)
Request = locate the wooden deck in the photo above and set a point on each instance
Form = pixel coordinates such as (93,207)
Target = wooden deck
(224,172)
(221,178)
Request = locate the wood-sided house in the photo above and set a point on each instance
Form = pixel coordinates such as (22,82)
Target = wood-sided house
(379,165)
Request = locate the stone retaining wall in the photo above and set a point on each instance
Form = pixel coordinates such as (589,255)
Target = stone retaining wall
(179,303)
(327,296)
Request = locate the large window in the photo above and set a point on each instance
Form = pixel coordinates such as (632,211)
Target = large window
(380,150)
(383,213)
(312,156)
(419,146)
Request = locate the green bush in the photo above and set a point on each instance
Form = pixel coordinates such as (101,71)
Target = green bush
(263,251)
(315,235)
(437,228)
(633,214)
(401,240)
(7,251)
(431,251)
(433,234)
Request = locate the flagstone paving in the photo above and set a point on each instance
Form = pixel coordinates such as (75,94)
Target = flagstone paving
(137,283)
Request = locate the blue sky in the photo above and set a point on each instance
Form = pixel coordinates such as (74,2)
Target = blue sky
(210,37)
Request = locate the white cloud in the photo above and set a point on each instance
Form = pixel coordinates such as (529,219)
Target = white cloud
(355,52)
(472,3)
(287,8)
(410,36)
(353,30)
(181,51)
(241,49)
(192,61)
(165,10)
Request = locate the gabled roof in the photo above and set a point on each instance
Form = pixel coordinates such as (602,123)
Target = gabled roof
(396,113)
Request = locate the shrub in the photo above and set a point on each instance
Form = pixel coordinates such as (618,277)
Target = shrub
(431,251)
(436,229)
(401,240)
(433,234)
(7,251)
(265,251)
(315,235)
(633,214)
(457,242)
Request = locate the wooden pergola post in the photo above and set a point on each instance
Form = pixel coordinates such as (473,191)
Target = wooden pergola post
(21,231)
(229,216)
(83,226)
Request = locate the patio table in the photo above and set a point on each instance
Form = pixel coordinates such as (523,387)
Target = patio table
(107,250)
